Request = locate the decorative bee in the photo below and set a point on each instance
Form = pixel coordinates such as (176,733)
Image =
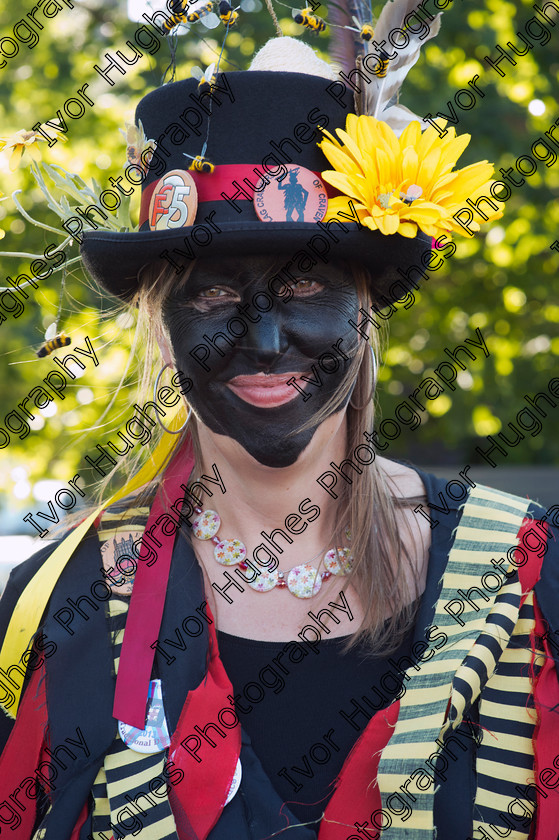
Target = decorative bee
(367,32)
(207,78)
(54,343)
(306,18)
(227,14)
(412,193)
(178,9)
(198,9)
(382,68)
(173,21)
(201,164)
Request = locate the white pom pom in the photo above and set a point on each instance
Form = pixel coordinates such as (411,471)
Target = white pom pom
(289,55)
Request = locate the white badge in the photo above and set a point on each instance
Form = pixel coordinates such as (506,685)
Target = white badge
(155,737)
(235,783)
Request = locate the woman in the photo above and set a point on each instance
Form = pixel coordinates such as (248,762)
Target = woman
(309,651)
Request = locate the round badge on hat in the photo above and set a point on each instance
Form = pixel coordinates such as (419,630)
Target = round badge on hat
(174,201)
(155,737)
(298,196)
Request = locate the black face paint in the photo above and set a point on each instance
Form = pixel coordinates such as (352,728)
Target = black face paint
(236,322)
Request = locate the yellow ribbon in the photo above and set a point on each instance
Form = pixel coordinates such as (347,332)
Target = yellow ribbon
(32,602)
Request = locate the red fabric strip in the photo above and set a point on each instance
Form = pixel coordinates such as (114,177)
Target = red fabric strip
(546,692)
(546,740)
(22,753)
(208,769)
(529,572)
(210,185)
(357,794)
(182,825)
(147,602)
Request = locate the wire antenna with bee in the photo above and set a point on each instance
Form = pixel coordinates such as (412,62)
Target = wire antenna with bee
(178,15)
(199,162)
(306,18)
(366,31)
(207,78)
(198,10)
(227,14)
(54,340)
(185,13)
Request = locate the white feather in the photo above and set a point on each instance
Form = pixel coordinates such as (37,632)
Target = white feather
(377,94)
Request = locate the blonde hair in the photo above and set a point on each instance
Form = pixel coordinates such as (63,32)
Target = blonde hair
(368,507)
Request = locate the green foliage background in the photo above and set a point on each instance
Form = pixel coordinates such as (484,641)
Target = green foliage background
(504,281)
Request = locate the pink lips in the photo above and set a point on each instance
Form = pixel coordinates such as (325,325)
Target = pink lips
(264,391)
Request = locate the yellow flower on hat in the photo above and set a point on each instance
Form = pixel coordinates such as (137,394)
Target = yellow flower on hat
(400,185)
(23,141)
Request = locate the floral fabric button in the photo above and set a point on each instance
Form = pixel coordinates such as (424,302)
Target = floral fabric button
(304,581)
(229,552)
(206,525)
(265,581)
(337,561)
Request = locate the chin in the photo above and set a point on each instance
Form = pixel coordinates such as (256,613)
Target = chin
(278,454)
(268,449)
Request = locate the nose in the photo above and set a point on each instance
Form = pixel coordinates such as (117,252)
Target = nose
(266,340)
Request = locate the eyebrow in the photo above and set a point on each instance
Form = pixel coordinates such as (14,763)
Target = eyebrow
(243,276)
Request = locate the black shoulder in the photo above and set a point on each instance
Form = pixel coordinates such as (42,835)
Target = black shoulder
(18,580)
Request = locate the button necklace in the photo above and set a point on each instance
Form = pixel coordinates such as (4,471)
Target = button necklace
(303,580)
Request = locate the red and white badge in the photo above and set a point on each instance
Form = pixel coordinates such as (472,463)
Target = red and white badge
(300,196)
(174,201)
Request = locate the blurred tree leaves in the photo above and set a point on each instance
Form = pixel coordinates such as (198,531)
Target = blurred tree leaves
(504,281)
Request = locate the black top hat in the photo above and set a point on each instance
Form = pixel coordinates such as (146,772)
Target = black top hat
(256,123)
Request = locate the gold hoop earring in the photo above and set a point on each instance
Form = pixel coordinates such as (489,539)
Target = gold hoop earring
(165,429)
(373,383)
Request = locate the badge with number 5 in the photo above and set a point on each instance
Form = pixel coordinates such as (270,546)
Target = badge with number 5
(174,201)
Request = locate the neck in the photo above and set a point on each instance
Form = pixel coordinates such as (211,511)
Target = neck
(260,498)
